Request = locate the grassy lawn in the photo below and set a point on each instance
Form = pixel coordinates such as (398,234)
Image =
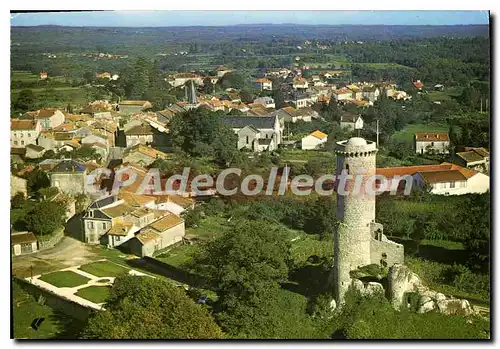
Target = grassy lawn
(306,245)
(179,255)
(298,155)
(56,96)
(408,132)
(208,227)
(382,65)
(96,294)
(103,269)
(64,279)
(25,309)
(445,95)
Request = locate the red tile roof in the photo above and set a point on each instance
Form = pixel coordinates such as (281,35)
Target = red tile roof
(22,125)
(390,172)
(432,136)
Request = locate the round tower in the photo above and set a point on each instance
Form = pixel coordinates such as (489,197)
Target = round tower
(356,158)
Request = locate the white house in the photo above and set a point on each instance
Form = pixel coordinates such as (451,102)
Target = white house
(314,140)
(350,121)
(23,243)
(256,133)
(267,102)
(263,84)
(477,159)
(342,94)
(443,179)
(48,117)
(436,142)
(24,132)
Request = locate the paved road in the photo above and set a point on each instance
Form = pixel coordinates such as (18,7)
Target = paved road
(67,253)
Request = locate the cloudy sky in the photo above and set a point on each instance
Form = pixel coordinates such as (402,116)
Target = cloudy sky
(183,18)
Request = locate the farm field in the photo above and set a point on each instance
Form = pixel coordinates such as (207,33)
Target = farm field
(409,131)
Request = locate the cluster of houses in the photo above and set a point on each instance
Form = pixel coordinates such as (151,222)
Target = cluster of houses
(128,134)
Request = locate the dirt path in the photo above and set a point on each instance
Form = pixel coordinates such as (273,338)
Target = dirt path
(69,252)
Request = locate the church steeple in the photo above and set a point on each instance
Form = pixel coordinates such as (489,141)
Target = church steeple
(192,99)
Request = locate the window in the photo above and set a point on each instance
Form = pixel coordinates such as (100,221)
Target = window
(91,213)
(432,144)
(104,225)
(29,134)
(22,135)
(90,225)
(117,238)
(247,139)
(452,185)
(15,142)
(22,142)
(347,168)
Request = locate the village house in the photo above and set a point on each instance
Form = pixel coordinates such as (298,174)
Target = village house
(258,110)
(432,142)
(180,79)
(341,95)
(357,93)
(418,85)
(267,102)
(256,133)
(443,179)
(300,100)
(477,159)
(370,93)
(350,121)
(315,140)
(49,117)
(221,71)
(160,234)
(69,177)
(263,84)
(105,75)
(132,107)
(142,155)
(23,132)
(300,84)
(173,203)
(34,151)
(18,185)
(290,114)
(101,215)
(23,243)
(139,134)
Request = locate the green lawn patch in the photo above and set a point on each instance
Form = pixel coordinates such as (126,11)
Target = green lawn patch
(64,279)
(96,294)
(24,310)
(407,134)
(382,65)
(178,256)
(104,268)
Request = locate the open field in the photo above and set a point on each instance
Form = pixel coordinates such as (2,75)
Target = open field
(382,65)
(446,95)
(64,279)
(96,294)
(103,268)
(409,131)
(56,96)
(25,76)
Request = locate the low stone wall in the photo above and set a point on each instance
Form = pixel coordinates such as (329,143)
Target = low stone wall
(54,240)
(55,301)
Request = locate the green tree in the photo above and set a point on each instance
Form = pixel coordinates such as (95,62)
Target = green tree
(36,180)
(25,101)
(245,267)
(148,308)
(45,217)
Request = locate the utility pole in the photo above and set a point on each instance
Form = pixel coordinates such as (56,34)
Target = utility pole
(481,101)
(377,133)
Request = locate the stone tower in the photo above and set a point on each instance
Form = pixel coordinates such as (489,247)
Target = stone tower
(358,239)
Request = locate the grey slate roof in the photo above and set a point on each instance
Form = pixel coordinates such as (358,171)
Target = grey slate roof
(259,122)
(68,166)
(103,202)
